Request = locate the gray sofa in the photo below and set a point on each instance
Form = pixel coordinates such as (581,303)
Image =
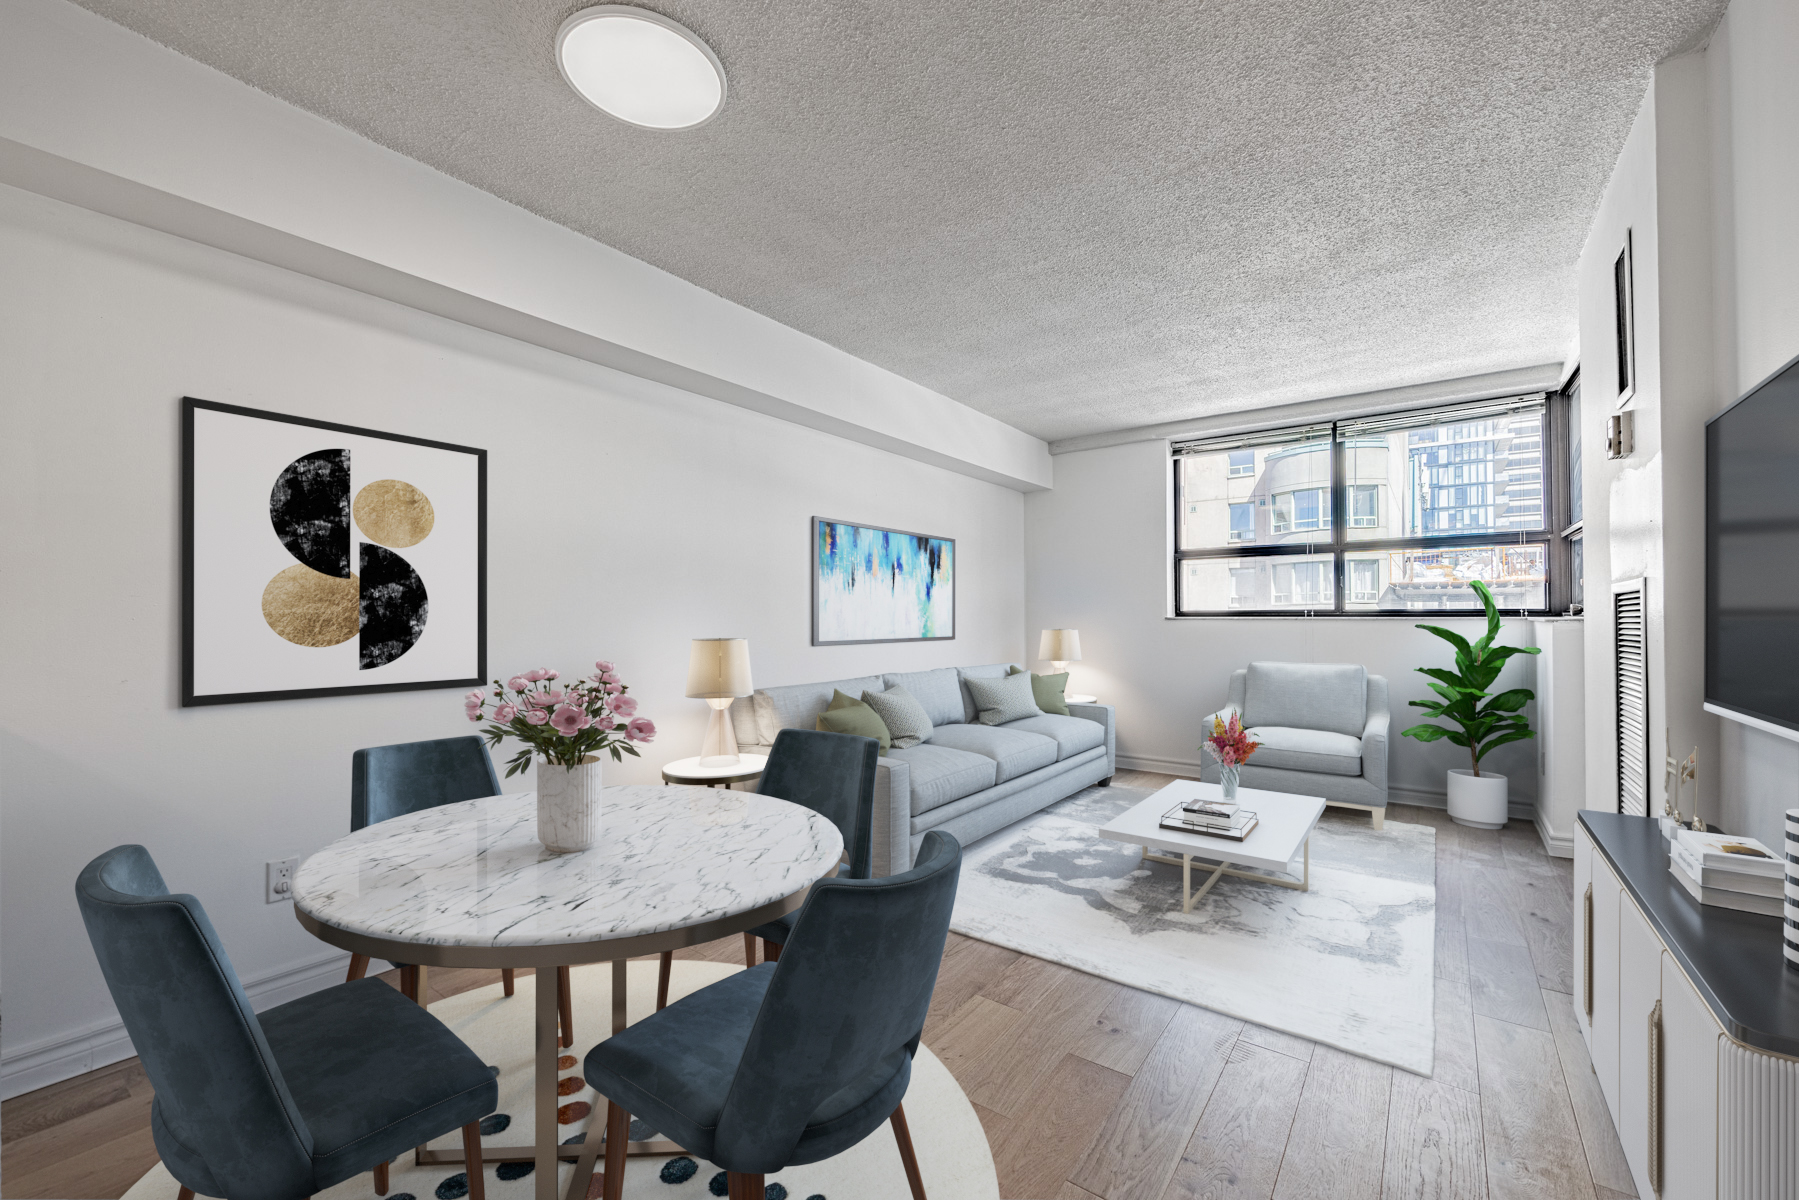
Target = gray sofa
(967,779)
(1322,729)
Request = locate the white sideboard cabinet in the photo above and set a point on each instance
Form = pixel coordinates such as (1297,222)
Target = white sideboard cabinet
(1691,1019)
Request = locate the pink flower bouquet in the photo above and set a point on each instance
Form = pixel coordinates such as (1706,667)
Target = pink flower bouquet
(1229,743)
(563,722)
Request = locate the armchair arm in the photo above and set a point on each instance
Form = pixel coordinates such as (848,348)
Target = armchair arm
(1374,735)
(1106,715)
(892,819)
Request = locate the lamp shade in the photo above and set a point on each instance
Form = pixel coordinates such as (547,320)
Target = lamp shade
(1060,645)
(719,668)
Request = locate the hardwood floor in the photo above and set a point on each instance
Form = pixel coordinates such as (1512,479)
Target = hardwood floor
(1090,1090)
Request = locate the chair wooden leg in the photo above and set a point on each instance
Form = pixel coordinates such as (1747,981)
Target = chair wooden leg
(668,965)
(618,1133)
(359,966)
(749,949)
(506,979)
(471,1153)
(186,1193)
(409,983)
(903,1136)
(745,1187)
(380,1179)
(565,1006)
(771,951)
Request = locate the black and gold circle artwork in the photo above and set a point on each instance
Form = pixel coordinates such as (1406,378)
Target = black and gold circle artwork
(320,601)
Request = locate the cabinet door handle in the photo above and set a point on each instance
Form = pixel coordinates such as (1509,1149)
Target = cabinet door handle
(1587,942)
(1655,1098)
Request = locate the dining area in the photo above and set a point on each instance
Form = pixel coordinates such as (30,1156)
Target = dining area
(798,1056)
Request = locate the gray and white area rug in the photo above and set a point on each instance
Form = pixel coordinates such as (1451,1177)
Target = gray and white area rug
(1348,963)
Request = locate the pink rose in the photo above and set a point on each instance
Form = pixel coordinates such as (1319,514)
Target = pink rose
(614,688)
(504,713)
(609,677)
(537,716)
(603,666)
(624,706)
(549,673)
(570,721)
(476,696)
(518,683)
(474,714)
(640,730)
(543,699)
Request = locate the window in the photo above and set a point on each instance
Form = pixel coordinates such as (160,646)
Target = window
(1394,514)
(1243,522)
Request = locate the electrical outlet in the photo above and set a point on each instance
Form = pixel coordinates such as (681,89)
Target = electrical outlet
(279,876)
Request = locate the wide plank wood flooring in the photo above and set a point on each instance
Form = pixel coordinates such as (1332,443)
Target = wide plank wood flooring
(1090,1090)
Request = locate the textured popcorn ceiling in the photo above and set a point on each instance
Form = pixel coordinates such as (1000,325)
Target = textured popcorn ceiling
(1073,216)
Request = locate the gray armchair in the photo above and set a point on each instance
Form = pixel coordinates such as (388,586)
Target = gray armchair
(1322,729)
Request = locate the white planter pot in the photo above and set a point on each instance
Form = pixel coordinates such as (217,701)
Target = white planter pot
(1477,800)
(568,805)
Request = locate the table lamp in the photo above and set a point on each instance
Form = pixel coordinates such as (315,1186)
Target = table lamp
(1061,647)
(718,671)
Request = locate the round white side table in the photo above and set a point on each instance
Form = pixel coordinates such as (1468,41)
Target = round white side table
(691,770)
(1081,699)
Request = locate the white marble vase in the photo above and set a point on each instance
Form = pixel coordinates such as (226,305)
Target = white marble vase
(568,805)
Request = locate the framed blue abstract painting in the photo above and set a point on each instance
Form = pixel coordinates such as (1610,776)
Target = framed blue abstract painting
(880,585)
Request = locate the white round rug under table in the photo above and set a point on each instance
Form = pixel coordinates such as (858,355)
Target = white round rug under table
(953,1155)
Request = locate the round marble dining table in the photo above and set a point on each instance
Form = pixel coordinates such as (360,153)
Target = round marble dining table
(469,885)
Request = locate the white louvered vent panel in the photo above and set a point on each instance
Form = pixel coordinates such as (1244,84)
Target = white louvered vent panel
(1758,1112)
(1632,655)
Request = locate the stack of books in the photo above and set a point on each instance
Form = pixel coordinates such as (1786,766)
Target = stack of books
(1727,871)
(1212,818)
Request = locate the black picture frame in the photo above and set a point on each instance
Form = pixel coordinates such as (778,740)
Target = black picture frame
(955,588)
(189,699)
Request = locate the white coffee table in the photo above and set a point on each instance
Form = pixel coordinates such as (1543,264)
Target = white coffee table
(1283,832)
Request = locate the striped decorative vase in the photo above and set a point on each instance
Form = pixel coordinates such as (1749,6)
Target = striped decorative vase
(1790,929)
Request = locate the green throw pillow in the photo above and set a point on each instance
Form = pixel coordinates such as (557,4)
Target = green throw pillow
(1048,690)
(849,715)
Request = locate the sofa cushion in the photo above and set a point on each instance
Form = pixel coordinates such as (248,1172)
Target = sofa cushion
(941,775)
(1072,735)
(939,692)
(1015,751)
(797,705)
(849,715)
(1049,691)
(1306,750)
(970,711)
(1328,696)
(906,720)
(1002,700)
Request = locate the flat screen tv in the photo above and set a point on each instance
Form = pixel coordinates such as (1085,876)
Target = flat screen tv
(1752,556)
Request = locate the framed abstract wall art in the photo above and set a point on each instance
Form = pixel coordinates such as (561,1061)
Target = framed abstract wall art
(880,585)
(327,560)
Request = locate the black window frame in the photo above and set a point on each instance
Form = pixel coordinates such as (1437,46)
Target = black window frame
(1339,546)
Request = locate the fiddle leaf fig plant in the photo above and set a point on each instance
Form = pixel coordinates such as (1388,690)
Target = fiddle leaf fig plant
(1483,721)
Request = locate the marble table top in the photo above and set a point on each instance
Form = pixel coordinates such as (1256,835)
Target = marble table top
(474,874)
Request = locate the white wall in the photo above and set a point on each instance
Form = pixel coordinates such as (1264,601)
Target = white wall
(1753,68)
(691,520)
(1096,559)
(1706,182)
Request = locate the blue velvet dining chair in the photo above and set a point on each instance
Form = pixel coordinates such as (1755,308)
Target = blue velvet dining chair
(392,781)
(793,1061)
(833,774)
(281,1104)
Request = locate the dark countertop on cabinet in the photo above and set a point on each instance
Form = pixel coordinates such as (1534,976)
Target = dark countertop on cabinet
(1733,958)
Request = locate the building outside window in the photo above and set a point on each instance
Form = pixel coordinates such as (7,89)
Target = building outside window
(1430,502)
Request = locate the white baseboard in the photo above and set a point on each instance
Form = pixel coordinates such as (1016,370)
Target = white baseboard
(1556,845)
(64,1056)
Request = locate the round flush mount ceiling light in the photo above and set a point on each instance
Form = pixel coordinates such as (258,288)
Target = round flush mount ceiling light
(640,67)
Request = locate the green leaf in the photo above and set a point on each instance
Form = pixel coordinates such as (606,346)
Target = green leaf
(1510,701)
(1464,652)
(1425,733)
(1516,735)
